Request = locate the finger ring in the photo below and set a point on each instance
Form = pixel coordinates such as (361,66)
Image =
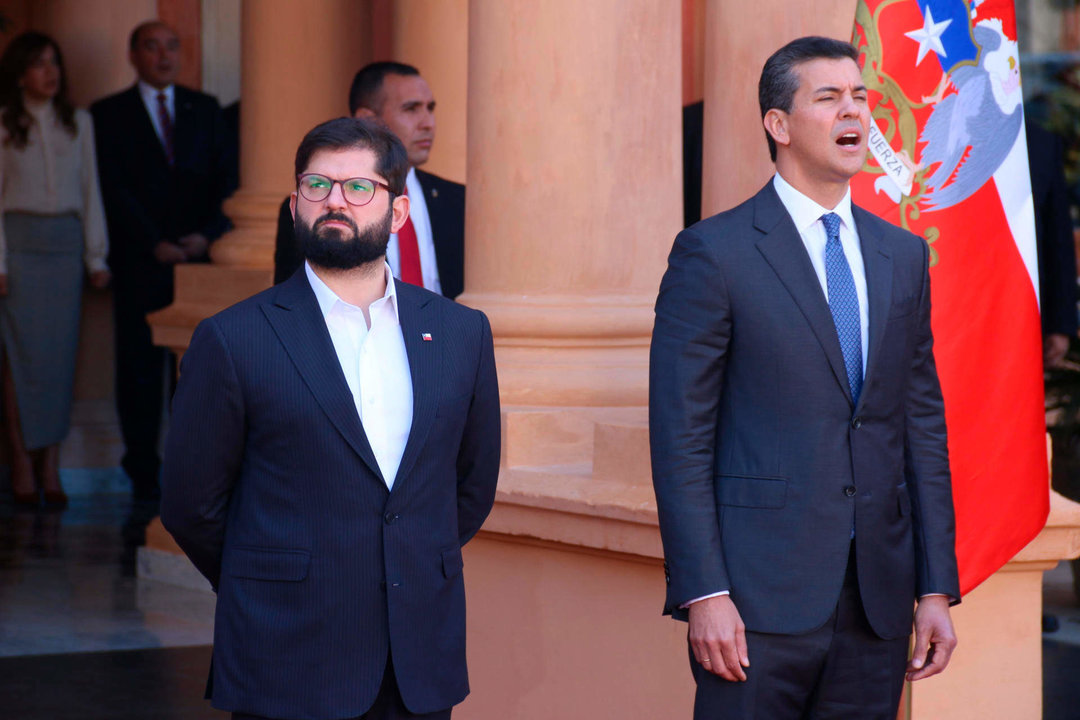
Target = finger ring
(705,660)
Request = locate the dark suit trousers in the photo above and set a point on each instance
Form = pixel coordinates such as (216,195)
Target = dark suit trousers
(842,670)
(140,378)
(388,705)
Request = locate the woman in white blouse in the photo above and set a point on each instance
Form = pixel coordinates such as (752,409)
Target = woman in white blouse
(53,225)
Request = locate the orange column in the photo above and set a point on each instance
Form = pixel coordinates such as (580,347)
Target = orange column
(434,36)
(574,167)
(739,37)
(185,17)
(297,63)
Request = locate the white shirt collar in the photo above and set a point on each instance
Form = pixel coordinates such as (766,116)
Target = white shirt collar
(805,212)
(41,111)
(149,93)
(328,298)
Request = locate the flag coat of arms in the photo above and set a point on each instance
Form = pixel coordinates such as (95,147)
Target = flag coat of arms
(948,161)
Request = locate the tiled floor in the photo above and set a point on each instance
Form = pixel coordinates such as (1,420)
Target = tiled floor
(160,684)
(81,638)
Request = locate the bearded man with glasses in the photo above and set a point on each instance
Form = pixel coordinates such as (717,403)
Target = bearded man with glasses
(334,443)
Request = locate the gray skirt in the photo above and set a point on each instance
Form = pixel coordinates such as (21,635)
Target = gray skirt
(39,320)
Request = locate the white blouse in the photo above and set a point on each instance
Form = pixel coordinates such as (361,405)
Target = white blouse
(55,173)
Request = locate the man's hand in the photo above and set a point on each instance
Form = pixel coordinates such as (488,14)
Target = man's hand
(167,253)
(718,637)
(935,638)
(100,279)
(1055,345)
(194,245)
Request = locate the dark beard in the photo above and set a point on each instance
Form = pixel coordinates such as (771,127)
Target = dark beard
(330,248)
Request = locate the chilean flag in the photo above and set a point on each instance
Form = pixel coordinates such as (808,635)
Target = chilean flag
(949,162)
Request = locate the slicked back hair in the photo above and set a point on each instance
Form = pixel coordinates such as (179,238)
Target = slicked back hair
(366,89)
(391,160)
(779,81)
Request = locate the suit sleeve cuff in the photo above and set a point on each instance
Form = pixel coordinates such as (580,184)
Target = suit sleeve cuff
(688,603)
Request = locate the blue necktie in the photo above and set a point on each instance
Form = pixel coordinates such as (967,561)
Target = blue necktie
(844,304)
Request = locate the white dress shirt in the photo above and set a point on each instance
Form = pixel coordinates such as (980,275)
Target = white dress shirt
(54,174)
(806,214)
(149,95)
(424,239)
(376,368)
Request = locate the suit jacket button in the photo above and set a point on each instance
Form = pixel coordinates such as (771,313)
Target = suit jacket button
(856,422)
(390,518)
(849,491)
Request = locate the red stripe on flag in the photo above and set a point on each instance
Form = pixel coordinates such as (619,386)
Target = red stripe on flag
(988,350)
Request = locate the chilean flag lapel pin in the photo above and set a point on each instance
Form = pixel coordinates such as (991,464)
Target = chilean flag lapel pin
(426,337)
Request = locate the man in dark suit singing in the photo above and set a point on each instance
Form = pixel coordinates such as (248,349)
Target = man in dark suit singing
(429,250)
(798,433)
(334,443)
(162,162)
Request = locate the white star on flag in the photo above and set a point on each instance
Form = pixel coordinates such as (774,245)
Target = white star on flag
(929,36)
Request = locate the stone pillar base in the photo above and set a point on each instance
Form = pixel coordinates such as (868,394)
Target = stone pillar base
(570,350)
(201,291)
(996,671)
(255,216)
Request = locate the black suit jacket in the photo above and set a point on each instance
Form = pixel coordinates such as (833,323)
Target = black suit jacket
(147,200)
(1053,232)
(760,461)
(446,208)
(271,488)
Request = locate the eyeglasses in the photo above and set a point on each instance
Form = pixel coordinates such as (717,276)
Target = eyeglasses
(356,191)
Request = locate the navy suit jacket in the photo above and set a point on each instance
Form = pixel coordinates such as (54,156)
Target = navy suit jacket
(446,209)
(761,463)
(147,200)
(271,488)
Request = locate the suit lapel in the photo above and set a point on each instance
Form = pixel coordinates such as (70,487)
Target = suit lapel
(437,217)
(784,251)
(878,265)
(183,123)
(418,316)
(431,195)
(296,318)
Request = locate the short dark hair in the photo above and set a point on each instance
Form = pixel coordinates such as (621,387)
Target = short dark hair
(778,83)
(133,39)
(366,89)
(391,160)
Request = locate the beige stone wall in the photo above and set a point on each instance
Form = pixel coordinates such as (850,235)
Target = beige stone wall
(93,35)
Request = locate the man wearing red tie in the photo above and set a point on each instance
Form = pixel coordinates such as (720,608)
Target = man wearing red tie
(429,249)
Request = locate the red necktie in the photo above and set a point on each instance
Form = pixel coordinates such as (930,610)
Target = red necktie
(409,252)
(166,127)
